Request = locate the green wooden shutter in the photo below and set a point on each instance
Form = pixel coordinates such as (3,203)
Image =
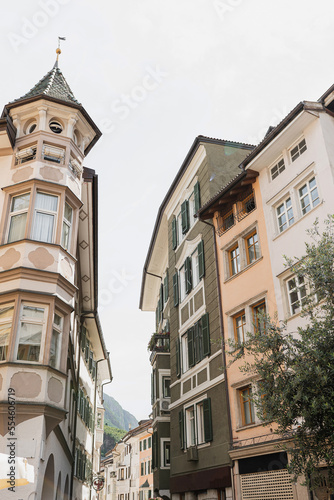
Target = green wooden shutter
(166,287)
(206,334)
(87,350)
(152,392)
(197,197)
(161,297)
(178,358)
(207,420)
(197,357)
(187,266)
(93,369)
(185,216)
(190,338)
(181,429)
(174,233)
(83,339)
(201,265)
(176,288)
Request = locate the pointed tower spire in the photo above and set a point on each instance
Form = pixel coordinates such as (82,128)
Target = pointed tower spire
(53,85)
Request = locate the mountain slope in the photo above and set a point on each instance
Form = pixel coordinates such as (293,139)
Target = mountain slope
(115,416)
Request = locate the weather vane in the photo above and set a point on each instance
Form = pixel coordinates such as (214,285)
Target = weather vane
(58,51)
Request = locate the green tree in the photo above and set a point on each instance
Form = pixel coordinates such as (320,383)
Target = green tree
(296,369)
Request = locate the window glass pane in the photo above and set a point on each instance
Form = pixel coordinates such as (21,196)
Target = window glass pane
(55,348)
(29,342)
(65,238)
(46,202)
(17,227)
(43,227)
(20,202)
(33,312)
(68,212)
(6,316)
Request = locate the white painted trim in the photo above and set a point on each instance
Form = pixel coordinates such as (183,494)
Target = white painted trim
(199,389)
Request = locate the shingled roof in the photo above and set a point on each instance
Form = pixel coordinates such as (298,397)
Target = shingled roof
(53,84)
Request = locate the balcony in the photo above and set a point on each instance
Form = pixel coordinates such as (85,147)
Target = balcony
(159,343)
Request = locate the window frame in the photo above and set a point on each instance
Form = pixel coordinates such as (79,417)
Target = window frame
(43,323)
(255,245)
(256,309)
(249,401)
(13,214)
(33,187)
(298,147)
(3,322)
(297,290)
(278,167)
(58,330)
(289,220)
(301,198)
(47,212)
(235,317)
(234,259)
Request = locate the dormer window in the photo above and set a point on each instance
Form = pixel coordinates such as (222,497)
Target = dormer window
(56,127)
(52,153)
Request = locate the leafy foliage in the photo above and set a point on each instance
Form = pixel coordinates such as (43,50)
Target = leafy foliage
(296,369)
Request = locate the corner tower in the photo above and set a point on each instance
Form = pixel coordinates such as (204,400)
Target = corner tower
(50,334)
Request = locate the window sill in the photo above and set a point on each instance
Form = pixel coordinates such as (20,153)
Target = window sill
(230,278)
(250,426)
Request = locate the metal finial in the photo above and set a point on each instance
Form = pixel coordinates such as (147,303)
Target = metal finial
(58,51)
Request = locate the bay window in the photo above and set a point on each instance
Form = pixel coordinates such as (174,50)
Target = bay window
(32,326)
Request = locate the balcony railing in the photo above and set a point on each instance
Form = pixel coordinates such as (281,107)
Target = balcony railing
(159,342)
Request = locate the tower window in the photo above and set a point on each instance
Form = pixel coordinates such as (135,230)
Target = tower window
(56,127)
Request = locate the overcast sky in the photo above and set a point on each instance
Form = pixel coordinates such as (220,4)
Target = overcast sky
(153,75)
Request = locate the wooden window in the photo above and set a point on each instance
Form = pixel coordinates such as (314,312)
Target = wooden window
(56,339)
(239,324)
(234,260)
(284,214)
(32,327)
(252,247)
(246,406)
(188,275)
(18,217)
(181,429)
(308,196)
(277,169)
(298,150)
(201,263)
(165,286)
(259,310)
(197,197)
(6,320)
(297,293)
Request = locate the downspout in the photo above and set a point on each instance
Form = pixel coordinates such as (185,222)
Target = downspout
(76,411)
(223,343)
(95,390)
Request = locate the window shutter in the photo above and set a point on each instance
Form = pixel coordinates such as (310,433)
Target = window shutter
(178,358)
(197,197)
(190,338)
(181,429)
(207,420)
(197,357)
(206,334)
(87,350)
(152,395)
(174,233)
(201,265)
(187,266)
(185,216)
(83,339)
(93,369)
(166,287)
(176,289)
(162,296)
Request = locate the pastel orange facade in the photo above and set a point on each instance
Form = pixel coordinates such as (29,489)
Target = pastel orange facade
(247,290)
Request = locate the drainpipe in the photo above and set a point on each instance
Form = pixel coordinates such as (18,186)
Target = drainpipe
(76,409)
(95,390)
(222,334)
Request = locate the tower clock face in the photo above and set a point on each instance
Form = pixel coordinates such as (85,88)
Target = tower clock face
(56,127)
